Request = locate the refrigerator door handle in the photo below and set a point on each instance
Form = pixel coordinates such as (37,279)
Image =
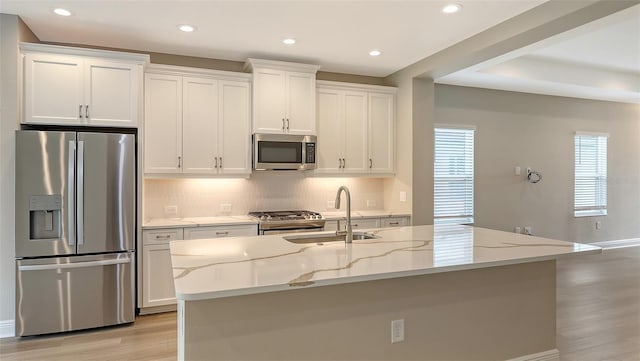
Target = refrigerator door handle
(80,197)
(50,266)
(71,190)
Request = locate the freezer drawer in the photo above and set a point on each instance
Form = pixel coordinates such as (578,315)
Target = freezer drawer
(74,293)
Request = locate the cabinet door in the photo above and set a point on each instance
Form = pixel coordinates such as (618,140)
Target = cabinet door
(301,101)
(364,223)
(330,131)
(355,132)
(53,89)
(221,231)
(199,125)
(234,141)
(157,276)
(163,124)
(112,93)
(268,101)
(381,132)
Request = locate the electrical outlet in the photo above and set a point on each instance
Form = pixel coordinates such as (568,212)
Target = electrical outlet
(528,231)
(518,230)
(598,224)
(331,204)
(397,330)
(170,210)
(403,196)
(371,203)
(225,207)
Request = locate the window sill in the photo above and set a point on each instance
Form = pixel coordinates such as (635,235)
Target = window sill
(590,213)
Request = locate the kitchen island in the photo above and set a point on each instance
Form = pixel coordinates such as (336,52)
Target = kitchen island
(462,292)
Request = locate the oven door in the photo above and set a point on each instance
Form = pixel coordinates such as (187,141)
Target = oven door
(283,231)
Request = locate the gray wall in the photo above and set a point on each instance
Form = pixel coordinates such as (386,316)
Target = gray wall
(527,130)
(12,30)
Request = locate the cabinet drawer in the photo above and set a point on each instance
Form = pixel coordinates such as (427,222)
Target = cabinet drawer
(363,223)
(394,222)
(161,236)
(221,231)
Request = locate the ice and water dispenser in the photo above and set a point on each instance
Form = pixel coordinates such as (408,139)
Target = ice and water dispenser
(45,217)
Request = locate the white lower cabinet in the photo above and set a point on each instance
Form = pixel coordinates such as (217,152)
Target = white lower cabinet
(157,276)
(157,273)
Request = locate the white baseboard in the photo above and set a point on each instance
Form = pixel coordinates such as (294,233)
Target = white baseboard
(551,355)
(7,328)
(619,243)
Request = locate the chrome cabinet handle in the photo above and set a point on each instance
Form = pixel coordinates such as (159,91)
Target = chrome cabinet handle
(221,233)
(394,223)
(355,225)
(344,163)
(216,166)
(166,236)
(86,111)
(283,124)
(220,162)
(80,111)
(179,162)
(287,123)
(339,163)
(370,163)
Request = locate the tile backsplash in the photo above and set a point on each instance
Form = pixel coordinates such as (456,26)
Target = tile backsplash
(263,191)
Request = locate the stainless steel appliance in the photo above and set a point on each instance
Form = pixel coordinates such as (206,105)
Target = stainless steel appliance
(284,152)
(288,221)
(75,230)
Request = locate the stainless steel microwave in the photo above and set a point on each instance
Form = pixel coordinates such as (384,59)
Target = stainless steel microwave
(284,152)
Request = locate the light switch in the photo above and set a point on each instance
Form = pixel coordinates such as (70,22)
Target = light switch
(517,170)
(403,196)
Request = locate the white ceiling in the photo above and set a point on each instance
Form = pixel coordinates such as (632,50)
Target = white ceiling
(600,60)
(337,35)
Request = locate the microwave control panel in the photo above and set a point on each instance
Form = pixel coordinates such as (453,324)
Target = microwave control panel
(311,153)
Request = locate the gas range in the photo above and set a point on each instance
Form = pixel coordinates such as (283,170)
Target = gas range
(288,221)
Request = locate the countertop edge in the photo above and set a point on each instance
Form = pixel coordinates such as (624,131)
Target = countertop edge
(372,277)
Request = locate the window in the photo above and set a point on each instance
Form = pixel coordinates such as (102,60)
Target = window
(591,175)
(453,175)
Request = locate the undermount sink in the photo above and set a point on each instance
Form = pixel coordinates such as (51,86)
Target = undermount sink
(327,237)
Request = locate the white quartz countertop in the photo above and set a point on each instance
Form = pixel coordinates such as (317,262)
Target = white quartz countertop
(224,267)
(230,220)
(329,216)
(197,221)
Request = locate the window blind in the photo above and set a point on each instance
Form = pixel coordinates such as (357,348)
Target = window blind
(453,175)
(590,175)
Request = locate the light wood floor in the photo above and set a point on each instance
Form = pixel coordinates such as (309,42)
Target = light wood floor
(598,320)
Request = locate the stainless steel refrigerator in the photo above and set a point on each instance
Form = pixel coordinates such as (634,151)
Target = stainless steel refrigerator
(75,230)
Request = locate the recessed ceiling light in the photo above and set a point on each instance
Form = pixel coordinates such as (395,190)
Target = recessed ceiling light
(62,12)
(289,41)
(451,8)
(187,28)
(375,52)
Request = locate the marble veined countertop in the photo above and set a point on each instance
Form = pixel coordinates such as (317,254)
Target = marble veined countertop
(224,267)
(230,220)
(197,221)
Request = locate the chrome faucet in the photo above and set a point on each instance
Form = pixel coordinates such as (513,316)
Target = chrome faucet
(348,233)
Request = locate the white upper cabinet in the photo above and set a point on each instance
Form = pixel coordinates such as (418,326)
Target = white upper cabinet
(356,129)
(72,86)
(201,125)
(284,97)
(163,123)
(381,132)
